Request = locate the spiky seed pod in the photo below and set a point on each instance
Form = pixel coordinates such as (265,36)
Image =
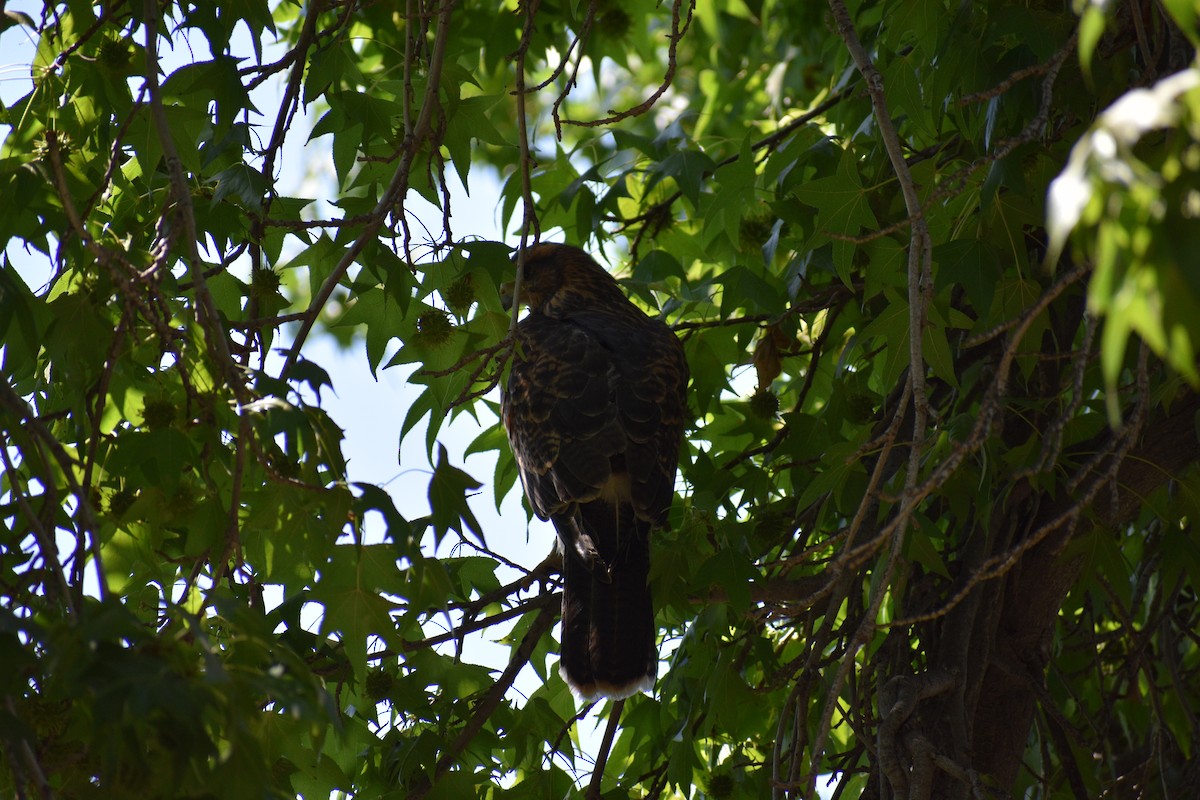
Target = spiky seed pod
(434,327)
(264,282)
(720,785)
(860,407)
(120,502)
(614,23)
(379,683)
(158,413)
(183,500)
(114,54)
(764,404)
(460,294)
(756,227)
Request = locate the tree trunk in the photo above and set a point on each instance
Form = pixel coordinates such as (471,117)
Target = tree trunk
(997,642)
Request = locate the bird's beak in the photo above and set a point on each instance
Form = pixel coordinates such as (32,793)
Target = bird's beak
(506,295)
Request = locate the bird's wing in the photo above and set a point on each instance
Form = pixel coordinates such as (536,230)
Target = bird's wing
(595,410)
(595,397)
(561,414)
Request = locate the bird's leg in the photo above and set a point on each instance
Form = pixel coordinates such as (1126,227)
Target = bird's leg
(576,543)
(585,551)
(551,565)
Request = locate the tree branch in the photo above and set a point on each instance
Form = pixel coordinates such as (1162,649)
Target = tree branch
(490,701)
(395,191)
(679,28)
(614,719)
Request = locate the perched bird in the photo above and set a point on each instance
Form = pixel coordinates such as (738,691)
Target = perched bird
(595,408)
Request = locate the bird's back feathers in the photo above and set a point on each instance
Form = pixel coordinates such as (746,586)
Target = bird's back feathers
(595,408)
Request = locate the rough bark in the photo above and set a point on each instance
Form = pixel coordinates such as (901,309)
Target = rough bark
(998,642)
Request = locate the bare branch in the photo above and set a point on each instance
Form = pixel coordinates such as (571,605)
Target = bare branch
(206,308)
(614,719)
(679,28)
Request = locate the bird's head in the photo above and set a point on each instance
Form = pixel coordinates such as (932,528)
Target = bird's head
(557,278)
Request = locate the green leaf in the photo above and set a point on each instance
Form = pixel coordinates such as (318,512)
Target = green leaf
(373,498)
(746,290)
(973,264)
(331,66)
(215,80)
(890,327)
(469,120)
(350,590)
(935,348)
(732,572)
(377,313)
(449,489)
(735,193)
(243,182)
(919,548)
(1091,28)
(23,320)
(1185,14)
(842,209)
(689,169)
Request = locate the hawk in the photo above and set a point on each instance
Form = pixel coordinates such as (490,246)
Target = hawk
(595,408)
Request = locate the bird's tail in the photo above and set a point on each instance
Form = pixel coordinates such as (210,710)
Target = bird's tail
(608,636)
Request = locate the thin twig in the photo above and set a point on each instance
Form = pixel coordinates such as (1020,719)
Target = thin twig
(206,308)
(1006,84)
(1083,494)
(529,221)
(44,538)
(920,287)
(1052,439)
(29,758)
(831,297)
(614,719)
(580,41)
(679,27)
(766,143)
(954,184)
(542,601)
(12,402)
(103,19)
